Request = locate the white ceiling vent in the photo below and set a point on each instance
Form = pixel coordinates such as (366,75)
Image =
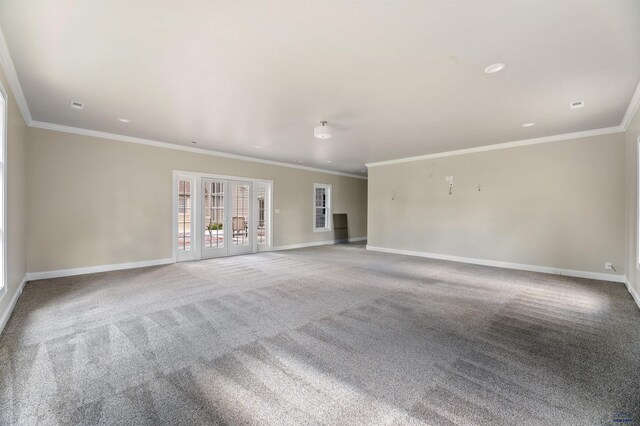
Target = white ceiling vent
(77,105)
(576,105)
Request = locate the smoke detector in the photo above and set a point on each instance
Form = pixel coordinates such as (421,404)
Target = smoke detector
(77,105)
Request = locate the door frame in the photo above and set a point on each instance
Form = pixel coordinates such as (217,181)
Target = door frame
(196,219)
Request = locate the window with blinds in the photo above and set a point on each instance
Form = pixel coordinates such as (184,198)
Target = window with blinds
(322,207)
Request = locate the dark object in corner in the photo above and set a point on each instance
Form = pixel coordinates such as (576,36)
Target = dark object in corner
(340,228)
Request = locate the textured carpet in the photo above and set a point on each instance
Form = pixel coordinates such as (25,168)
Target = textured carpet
(325,335)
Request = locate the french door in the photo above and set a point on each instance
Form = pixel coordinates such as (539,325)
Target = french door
(220,216)
(227,219)
(214,218)
(184,190)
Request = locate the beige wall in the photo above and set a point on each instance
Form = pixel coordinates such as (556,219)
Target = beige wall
(631,240)
(558,205)
(96,202)
(16,199)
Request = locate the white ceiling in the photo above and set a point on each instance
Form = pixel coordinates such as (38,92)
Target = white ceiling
(394,78)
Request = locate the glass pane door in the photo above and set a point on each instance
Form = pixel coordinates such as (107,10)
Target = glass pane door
(242,231)
(185,219)
(226,225)
(214,240)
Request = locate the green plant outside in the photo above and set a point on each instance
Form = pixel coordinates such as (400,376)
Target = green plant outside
(214,226)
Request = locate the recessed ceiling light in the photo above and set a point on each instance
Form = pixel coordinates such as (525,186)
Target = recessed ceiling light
(328,161)
(299,161)
(528,124)
(77,105)
(124,120)
(576,105)
(493,68)
(255,146)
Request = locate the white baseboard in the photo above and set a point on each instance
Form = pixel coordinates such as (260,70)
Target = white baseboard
(319,243)
(508,265)
(31,276)
(357,239)
(12,304)
(633,292)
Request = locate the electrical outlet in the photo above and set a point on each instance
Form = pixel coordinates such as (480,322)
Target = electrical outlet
(608,265)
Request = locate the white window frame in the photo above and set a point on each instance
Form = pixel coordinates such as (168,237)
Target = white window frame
(328,224)
(4,124)
(638,204)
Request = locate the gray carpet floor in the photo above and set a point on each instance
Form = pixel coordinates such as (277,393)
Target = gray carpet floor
(325,335)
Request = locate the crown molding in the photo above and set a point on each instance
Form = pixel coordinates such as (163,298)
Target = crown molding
(14,81)
(631,109)
(514,144)
(633,106)
(166,145)
(16,87)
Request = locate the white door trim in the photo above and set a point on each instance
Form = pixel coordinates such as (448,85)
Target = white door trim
(215,176)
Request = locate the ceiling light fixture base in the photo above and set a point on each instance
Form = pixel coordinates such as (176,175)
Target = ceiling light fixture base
(494,68)
(323,131)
